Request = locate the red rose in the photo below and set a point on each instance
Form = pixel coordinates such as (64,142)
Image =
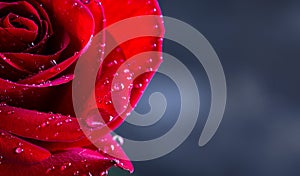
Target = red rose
(40,42)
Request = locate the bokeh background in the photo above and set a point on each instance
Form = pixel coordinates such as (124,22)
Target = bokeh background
(258,43)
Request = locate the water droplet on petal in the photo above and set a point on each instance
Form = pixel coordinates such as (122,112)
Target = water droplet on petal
(50,169)
(126,71)
(19,150)
(138,85)
(65,166)
(59,124)
(111,118)
(94,120)
(45,124)
(53,62)
(118,139)
(76,173)
(118,87)
(10,112)
(85,1)
(104,173)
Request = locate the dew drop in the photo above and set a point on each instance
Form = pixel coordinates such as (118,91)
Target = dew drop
(53,62)
(59,124)
(104,173)
(126,71)
(76,173)
(31,44)
(138,85)
(65,166)
(56,134)
(45,124)
(93,120)
(118,139)
(19,150)
(50,169)
(85,1)
(106,82)
(108,102)
(149,69)
(112,147)
(68,120)
(10,112)
(111,118)
(118,87)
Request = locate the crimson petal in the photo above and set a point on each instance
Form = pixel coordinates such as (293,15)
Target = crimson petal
(71,162)
(38,125)
(96,9)
(36,62)
(129,49)
(16,150)
(106,145)
(9,42)
(35,96)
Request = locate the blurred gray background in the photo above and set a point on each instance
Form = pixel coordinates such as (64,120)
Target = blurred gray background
(258,43)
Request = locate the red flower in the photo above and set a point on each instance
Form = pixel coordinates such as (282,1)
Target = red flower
(40,42)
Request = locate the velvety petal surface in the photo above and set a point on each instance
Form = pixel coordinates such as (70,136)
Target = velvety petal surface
(146,64)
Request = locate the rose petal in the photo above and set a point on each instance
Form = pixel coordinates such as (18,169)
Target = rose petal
(11,71)
(9,43)
(105,145)
(35,62)
(51,72)
(73,17)
(16,150)
(96,9)
(129,9)
(21,8)
(141,64)
(44,36)
(38,125)
(110,148)
(45,32)
(39,97)
(72,162)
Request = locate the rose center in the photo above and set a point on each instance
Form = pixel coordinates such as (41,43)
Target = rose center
(19,26)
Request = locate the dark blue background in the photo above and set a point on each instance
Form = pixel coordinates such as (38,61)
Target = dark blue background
(258,43)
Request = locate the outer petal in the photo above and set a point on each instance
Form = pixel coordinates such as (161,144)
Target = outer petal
(96,9)
(147,63)
(39,126)
(38,96)
(18,151)
(71,162)
(105,145)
